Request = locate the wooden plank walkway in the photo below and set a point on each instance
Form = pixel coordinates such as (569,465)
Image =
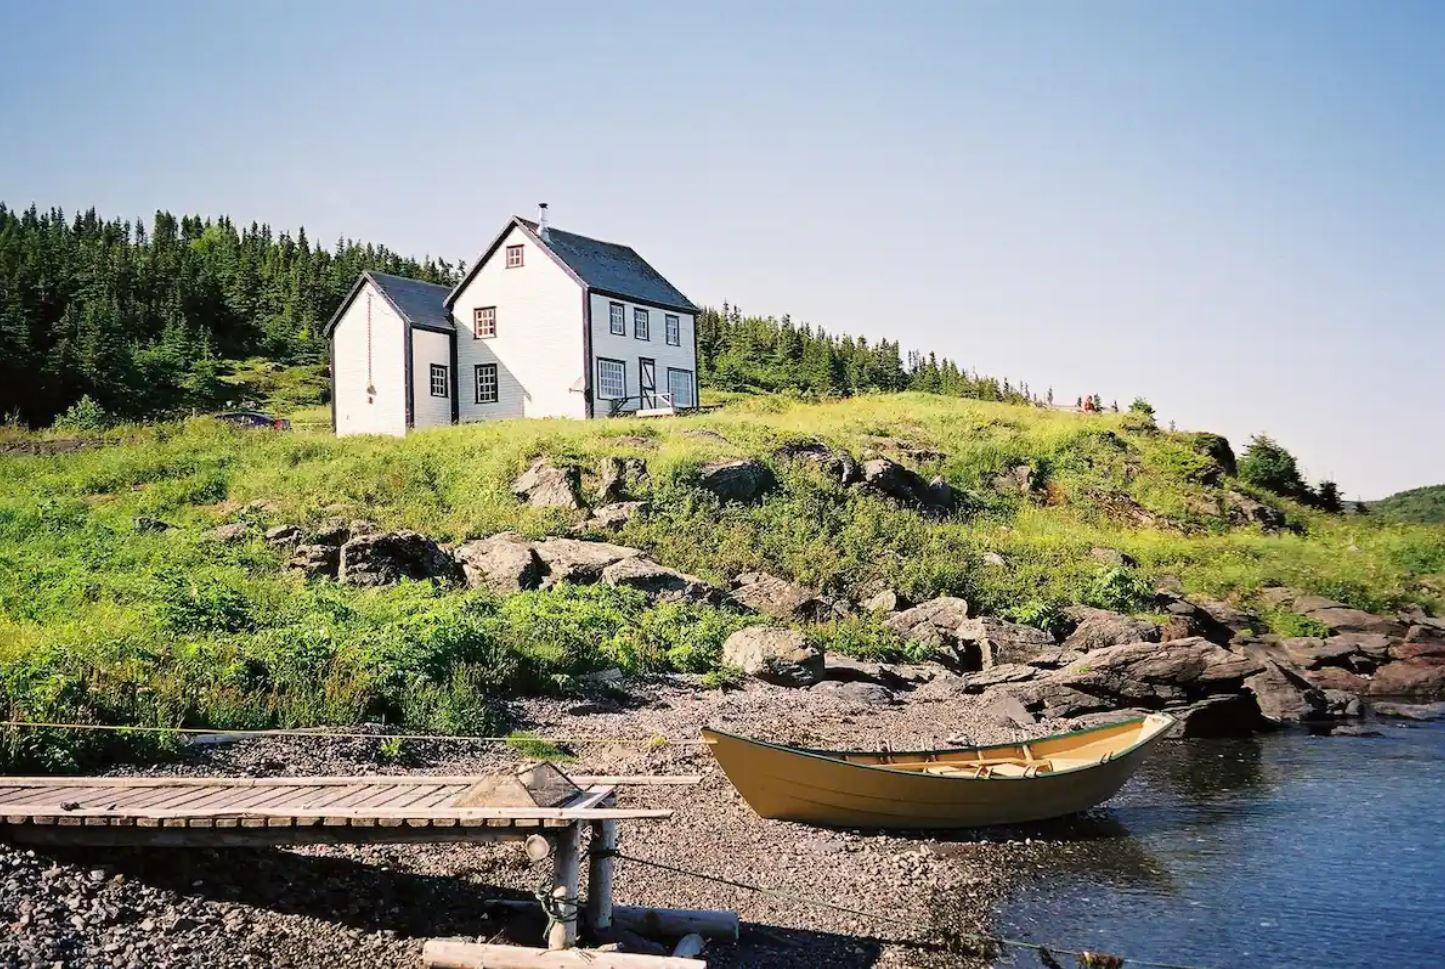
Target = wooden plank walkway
(288,810)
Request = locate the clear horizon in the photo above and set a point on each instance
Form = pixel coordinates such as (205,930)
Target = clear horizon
(1236,211)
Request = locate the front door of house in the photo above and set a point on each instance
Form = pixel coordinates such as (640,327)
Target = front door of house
(647,381)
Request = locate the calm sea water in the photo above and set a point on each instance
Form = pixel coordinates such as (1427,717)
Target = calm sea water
(1284,851)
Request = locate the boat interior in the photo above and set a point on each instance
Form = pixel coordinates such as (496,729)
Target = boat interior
(1050,755)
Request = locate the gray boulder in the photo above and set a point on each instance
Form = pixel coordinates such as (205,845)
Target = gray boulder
(996,642)
(659,582)
(780,598)
(1156,674)
(1340,618)
(505,563)
(865,694)
(234,532)
(1100,628)
(1238,621)
(780,656)
(1021,478)
(743,480)
(933,623)
(283,535)
(615,515)
(577,561)
(1241,509)
(885,601)
(315,561)
(332,531)
(544,485)
(147,523)
(388,557)
(1283,696)
(1410,711)
(999,675)
(890,479)
(835,463)
(616,477)
(1048,699)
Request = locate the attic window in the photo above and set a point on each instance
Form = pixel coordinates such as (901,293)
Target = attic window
(484,322)
(514,257)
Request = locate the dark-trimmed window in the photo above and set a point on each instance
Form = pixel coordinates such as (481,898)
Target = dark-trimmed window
(611,379)
(681,388)
(514,257)
(672,330)
(439,381)
(486,381)
(616,319)
(639,324)
(484,322)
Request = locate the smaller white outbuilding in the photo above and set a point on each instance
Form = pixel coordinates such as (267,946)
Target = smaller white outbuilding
(546,324)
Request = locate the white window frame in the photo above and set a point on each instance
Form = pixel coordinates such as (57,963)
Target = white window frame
(641,324)
(672,330)
(439,370)
(614,373)
(691,387)
(616,319)
(514,257)
(478,372)
(481,315)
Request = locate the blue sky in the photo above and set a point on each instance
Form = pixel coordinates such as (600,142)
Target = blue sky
(1236,210)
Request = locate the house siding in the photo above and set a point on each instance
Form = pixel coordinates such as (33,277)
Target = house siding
(538,348)
(358,412)
(427,348)
(630,350)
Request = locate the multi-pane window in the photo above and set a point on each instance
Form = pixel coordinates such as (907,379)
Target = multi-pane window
(616,319)
(611,379)
(439,381)
(484,322)
(639,324)
(679,387)
(514,256)
(672,330)
(486,383)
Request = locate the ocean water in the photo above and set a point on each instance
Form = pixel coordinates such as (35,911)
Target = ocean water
(1285,851)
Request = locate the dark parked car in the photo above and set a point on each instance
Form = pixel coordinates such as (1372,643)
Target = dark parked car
(254,418)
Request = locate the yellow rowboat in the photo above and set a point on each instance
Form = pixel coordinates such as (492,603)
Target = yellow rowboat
(959,788)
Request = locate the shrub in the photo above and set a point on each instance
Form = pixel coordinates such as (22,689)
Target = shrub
(1266,465)
(1286,623)
(1119,589)
(1039,613)
(83,415)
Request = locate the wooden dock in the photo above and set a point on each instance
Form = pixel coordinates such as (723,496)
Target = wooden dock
(539,806)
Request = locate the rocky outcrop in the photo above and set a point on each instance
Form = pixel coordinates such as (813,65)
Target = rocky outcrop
(283,535)
(996,642)
(504,563)
(890,479)
(885,600)
(337,531)
(835,463)
(660,582)
(780,656)
(616,477)
(544,485)
(1155,674)
(1020,479)
(742,480)
(577,561)
(1410,678)
(1284,696)
(933,623)
(863,694)
(619,513)
(1098,628)
(1241,509)
(233,532)
(315,561)
(388,557)
(782,599)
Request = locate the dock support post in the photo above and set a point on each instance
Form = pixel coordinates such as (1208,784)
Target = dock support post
(600,865)
(566,883)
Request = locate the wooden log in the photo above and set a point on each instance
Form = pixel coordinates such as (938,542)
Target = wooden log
(600,868)
(689,945)
(566,883)
(672,923)
(446,954)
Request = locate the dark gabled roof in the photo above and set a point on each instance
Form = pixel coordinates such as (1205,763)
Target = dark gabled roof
(419,303)
(607,267)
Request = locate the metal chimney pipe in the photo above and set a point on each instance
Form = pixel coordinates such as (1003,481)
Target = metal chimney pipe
(542,219)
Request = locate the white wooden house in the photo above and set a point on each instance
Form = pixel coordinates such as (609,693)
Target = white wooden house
(546,324)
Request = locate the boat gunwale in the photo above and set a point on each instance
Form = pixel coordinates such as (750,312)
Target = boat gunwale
(836,757)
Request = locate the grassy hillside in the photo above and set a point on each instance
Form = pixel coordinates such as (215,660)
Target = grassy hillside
(104,618)
(1423,506)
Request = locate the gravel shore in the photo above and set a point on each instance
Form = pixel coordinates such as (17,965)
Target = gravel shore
(375,905)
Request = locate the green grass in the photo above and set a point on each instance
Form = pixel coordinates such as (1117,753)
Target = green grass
(100,621)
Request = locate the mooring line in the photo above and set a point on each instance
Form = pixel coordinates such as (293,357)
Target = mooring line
(1085,957)
(321,732)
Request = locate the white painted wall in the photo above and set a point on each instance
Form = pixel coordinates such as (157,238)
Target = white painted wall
(630,350)
(370,355)
(538,347)
(429,347)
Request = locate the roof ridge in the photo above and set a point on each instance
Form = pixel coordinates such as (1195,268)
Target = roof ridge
(576,235)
